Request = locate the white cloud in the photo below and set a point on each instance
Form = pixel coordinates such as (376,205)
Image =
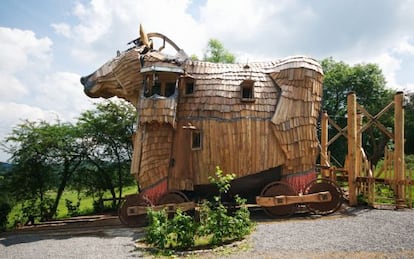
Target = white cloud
(21,48)
(13,114)
(22,59)
(390,66)
(30,89)
(405,46)
(62,92)
(11,87)
(255,30)
(62,29)
(114,23)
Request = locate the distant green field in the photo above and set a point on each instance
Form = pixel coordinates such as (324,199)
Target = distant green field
(85,208)
(86,203)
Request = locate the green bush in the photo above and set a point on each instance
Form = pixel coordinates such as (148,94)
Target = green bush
(216,223)
(177,233)
(73,210)
(215,220)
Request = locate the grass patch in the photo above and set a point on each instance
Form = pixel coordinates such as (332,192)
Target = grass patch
(86,202)
(85,206)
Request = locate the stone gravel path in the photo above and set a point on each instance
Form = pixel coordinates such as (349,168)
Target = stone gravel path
(353,233)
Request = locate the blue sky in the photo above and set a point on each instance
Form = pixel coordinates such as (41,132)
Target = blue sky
(47,45)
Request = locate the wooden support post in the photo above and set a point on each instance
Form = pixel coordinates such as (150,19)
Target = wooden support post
(352,148)
(358,154)
(359,142)
(399,174)
(324,144)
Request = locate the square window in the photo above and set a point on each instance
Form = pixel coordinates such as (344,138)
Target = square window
(189,88)
(247,91)
(195,140)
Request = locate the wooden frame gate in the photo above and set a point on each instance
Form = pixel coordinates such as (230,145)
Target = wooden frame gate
(357,170)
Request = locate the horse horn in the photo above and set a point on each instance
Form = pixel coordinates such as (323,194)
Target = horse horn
(144,36)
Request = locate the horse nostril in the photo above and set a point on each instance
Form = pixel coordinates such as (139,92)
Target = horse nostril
(83,80)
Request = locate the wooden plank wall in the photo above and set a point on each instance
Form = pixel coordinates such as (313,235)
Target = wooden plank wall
(158,110)
(241,147)
(235,134)
(156,153)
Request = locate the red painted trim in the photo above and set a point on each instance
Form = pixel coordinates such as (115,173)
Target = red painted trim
(154,192)
(299,181)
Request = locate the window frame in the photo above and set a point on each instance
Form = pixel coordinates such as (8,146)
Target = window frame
(185,82)
(200,137)
(247,84)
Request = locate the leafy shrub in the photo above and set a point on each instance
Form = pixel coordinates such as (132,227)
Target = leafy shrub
(73,210)
(216,223)
(37,209)
(177,232)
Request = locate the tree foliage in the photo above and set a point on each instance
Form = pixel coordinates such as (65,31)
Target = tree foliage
(93,154)
(216,53)
(368,83)
(44,156)
(107,131)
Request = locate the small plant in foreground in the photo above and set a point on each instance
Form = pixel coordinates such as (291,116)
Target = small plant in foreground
(216,224)
(165,233)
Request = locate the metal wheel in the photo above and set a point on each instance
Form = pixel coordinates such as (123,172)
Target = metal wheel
(172,197)
(275,189)
(133,221)
(321,185)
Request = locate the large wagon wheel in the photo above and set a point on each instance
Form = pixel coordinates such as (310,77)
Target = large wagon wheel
(276,189)
(172,197)
(136,220)
(322,185)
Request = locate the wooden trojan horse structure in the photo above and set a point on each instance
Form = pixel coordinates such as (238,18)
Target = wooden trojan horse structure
(256,120)
(357,172)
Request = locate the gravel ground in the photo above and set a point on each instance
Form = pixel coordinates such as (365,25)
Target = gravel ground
(356,233)
(79,243)
(353,233)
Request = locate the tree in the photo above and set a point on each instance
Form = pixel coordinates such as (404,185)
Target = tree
(107,131)
(44,157)
(216,53)
(368,82)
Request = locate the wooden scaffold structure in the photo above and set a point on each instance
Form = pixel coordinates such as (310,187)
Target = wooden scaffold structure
(357,172)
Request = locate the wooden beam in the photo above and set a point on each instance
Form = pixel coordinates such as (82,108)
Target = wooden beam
(359,142)
(170,207)
(352,149)
(399,173)
(324,143)
(286,200)
(373,120)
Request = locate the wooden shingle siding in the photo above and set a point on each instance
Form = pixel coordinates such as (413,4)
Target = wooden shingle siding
(273,125)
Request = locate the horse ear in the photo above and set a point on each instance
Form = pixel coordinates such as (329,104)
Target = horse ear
(144,36)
